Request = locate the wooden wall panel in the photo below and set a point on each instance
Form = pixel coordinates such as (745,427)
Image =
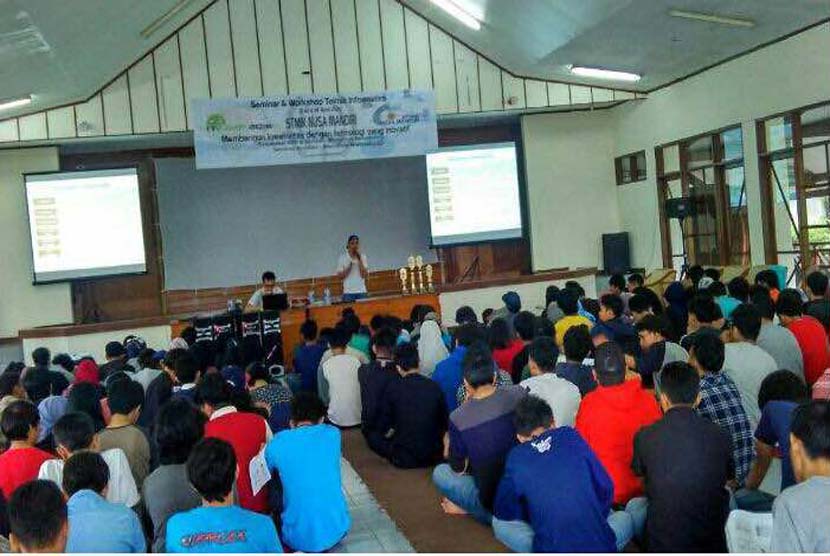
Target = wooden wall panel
(466,71)
(169,86)
(371,45)
(271,51)
(394,45)
(143,97)
(443,71)
(194,65)
(245,48)
(417,46)
(321,46)
(61,122)
(219,54)
(347,56)
(296,47)
(117,113)
(490,82)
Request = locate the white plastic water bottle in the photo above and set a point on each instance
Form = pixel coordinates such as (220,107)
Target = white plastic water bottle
(311,296)
(327,296)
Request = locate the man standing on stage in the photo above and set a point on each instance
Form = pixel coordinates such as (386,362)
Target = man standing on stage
(353,270)
(269,287)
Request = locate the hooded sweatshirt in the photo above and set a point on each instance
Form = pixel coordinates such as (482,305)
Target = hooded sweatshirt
(608,419)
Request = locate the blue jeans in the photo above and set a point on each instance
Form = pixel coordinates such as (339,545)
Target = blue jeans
(351,297)
(518,535)
(460,489)
(637,508)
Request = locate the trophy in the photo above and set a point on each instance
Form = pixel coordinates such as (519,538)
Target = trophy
(411,264)
(419,264)
(430,286)
(402,274)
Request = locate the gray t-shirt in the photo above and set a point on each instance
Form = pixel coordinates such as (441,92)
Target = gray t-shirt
(167,491)
(801,517)
(748,365)
(782,345)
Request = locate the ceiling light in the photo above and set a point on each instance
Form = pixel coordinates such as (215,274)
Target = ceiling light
(159,22)
(713,18)
(603,74)
(458,13)
(15,102)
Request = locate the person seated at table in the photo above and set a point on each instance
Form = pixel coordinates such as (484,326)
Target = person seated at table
(555,495)
(578,346)
(218,525)
(305,461)
(268,287)
(38,518)
(801,513)
(96,525)
(413,416)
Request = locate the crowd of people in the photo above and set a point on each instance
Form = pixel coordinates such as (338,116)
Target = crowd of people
(634,420)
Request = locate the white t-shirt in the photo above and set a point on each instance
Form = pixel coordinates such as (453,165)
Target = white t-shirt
(256,300)
(122,489)
(562,396)
(353,282)
(340,371)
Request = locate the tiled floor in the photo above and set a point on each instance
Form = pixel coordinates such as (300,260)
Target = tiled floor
(372,528)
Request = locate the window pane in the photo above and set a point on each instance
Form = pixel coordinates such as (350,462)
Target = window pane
(702,227)
(641,165)
(625,163)
(699,151)
(733,146)
(671,159)
(738,217)
(785,208)
(815,167)
(779,133)
(815,125)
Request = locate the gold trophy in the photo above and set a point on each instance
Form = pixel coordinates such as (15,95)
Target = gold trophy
(430,286)
(419,264)
(402,274)
(411,264)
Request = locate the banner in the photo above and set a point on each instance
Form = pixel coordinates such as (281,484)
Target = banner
(299,129)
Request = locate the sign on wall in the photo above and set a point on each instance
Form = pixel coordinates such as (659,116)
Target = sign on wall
(300,129)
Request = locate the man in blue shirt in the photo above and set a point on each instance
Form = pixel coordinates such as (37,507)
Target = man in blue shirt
(306,458)
(96,525)
(448,373)
(307,357)
(219,525)
(555,495)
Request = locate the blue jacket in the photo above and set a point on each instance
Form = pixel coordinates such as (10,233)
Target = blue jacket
(449,376)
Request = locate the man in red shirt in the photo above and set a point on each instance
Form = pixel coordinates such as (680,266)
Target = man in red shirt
(808,332)
(611,415)
(21,462)
(246,432)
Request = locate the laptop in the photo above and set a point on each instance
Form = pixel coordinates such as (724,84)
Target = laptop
(275,302)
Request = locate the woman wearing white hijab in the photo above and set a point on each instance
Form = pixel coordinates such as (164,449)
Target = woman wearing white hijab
(431,348)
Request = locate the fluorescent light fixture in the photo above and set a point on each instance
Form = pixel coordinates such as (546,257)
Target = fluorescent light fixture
(713,18)
(159,22)
(15,102)
(458,13)
(603,74)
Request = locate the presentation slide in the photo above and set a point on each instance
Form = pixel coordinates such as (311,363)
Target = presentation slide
(474,194)
(85,224)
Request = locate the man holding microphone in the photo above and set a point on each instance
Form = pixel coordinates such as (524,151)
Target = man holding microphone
(353,270)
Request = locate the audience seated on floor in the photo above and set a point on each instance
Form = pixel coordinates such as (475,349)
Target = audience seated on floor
(612,325)
(504,344)
(21,461)
(704,317)
(218,525)
(338,382)
(809,333)
(305,461)
(187,373)
(96,525)
(412,416)
(125,398)
(307,356)
(818,305)
(577,346)
(560,394)
(75,432)
(449,373)
(611,415)
(568,302)
(773,338)
(40,381)
(375,378)
(685,486)
(481,432)
(116,360)
(38,518)
(555,495)
(431,347)
(655,350)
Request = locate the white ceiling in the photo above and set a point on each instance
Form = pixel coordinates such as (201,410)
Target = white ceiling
(539,38)
(64,50)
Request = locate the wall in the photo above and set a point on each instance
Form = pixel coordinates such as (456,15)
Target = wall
(570,187)
(783,76)
(23,305)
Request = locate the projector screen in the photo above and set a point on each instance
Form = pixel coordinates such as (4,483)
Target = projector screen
(474,194)
(85,224)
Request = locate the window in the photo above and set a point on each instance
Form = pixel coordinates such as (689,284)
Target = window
(794,157)
(630,168)
(709,171)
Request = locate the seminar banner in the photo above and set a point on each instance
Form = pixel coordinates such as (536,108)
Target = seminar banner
(299,129)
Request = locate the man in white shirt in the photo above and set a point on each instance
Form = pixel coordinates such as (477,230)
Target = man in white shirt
(746,363)
(269,287)
(340,386)
(560,394)
(353,270)
(75,432)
